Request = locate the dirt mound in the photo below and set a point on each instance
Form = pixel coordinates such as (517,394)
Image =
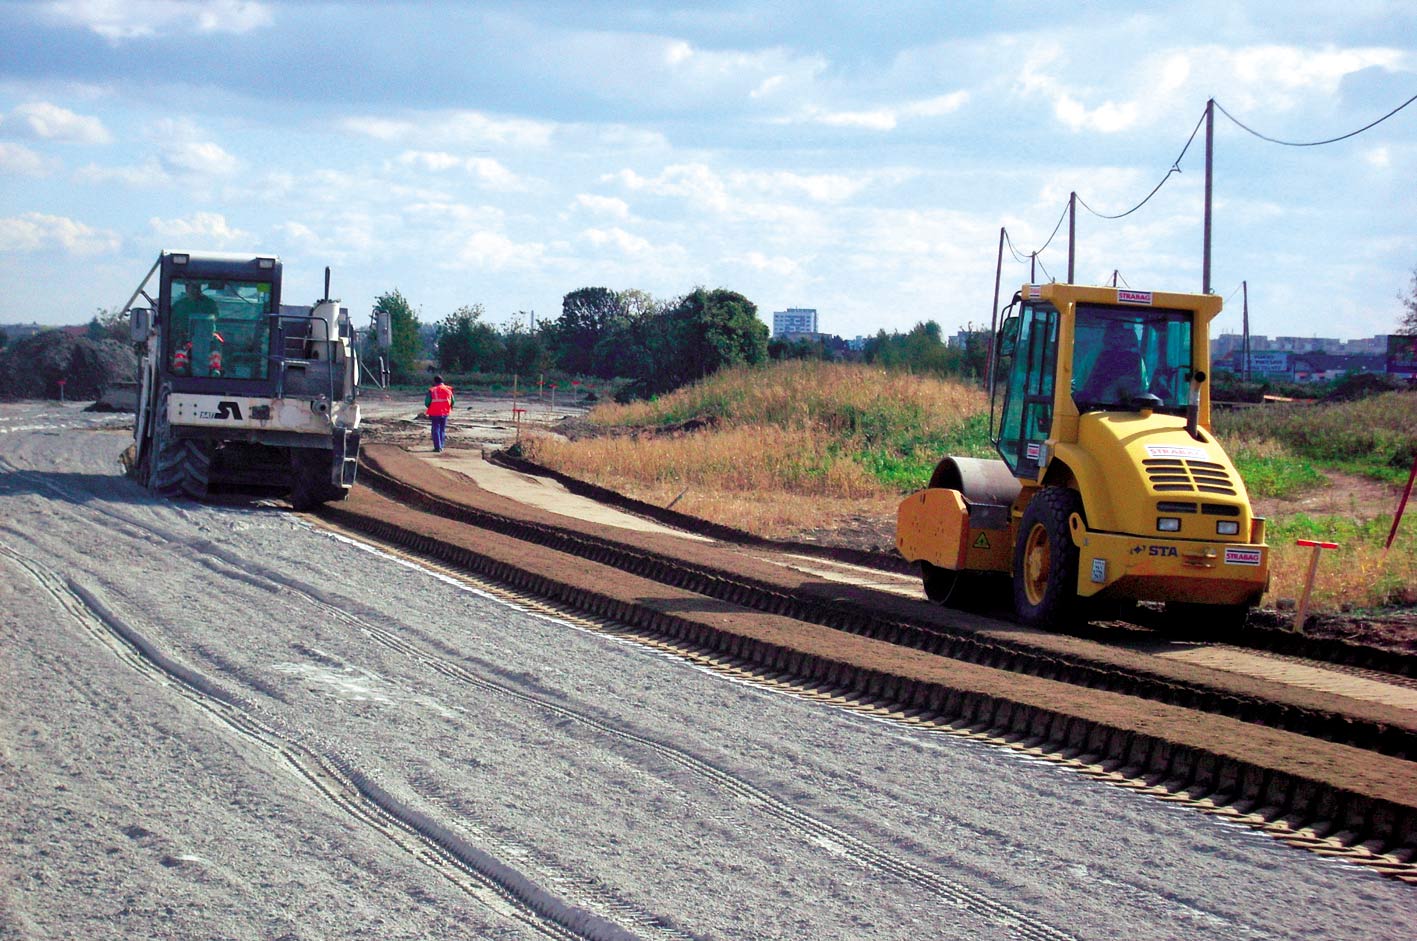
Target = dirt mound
(33,367)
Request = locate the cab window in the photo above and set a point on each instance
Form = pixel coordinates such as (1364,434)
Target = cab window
(1120,353)
(220,328)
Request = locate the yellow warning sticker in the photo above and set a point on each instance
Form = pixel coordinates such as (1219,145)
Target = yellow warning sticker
(981,541)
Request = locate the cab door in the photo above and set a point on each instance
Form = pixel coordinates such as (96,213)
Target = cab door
(1027,416)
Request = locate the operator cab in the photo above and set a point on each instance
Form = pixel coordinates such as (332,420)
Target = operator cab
(216,314)
(1123,358)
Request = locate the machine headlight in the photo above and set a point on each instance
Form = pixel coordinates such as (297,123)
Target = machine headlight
(1168,524)
(1228,527)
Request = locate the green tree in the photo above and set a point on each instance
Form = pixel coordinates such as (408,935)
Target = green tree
(522,348)
(407,347)
(703,333)
(464,342)
(108,325)
(4,339)
(626,347)
(1408,322)
(922,350)
(586,315)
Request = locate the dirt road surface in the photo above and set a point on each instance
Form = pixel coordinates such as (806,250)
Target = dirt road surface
(218,721)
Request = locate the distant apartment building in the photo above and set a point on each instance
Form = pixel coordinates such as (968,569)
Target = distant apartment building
(795,321)
(1318,366)
(1228,343)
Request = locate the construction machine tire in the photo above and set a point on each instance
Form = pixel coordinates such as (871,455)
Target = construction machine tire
(1045,559)
(310,483)
(180,467)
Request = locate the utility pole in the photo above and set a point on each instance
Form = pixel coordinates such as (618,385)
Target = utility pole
(1245,340)
(1072,231)
(994,313)
(1209,167)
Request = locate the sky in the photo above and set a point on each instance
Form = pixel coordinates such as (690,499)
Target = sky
(857,158)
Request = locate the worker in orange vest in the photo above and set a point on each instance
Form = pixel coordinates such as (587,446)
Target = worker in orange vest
(439,404)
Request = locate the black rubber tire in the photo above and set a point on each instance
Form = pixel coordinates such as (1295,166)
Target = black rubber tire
(310,483)
(1045,559)
(180,467)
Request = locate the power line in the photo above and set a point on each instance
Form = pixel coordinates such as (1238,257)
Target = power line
(1034,254)
(1175,168)
(1313,143)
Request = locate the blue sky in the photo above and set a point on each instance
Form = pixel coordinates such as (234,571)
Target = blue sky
(857,158)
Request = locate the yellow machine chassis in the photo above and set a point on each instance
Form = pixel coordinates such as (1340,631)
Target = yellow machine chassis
(933,526)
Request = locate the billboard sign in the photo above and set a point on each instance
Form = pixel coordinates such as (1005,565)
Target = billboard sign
(1402,355)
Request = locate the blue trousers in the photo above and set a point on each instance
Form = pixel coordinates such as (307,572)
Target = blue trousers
(440,431)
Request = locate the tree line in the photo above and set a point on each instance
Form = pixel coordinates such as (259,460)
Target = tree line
(652,345)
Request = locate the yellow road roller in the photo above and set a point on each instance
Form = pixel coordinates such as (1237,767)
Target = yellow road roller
(1110,486)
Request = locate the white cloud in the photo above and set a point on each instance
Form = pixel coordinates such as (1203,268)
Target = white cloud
(887,117)
(492,173)
(148,173)
(1379,157)
(489,171)
(606,205)
(1150,90)
(779,265)
(617,238)
(34,231)
(495,252)
(452,128)
(204,228)
(117,20)
(744,192)
(46,121)
(197,158)
(21,161)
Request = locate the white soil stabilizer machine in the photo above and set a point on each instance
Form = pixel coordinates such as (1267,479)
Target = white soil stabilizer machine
(236,389)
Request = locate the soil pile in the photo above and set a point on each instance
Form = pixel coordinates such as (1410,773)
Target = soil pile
(32,368)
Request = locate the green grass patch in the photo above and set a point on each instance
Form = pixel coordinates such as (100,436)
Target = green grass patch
(1275,474)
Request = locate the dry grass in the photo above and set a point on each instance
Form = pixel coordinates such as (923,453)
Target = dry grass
(1357,575)
(839,399)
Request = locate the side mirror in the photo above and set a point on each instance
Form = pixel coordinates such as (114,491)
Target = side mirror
(1008,337)
(139,323)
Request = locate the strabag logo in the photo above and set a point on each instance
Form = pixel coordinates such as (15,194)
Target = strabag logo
(1243,556)
(224,411)
(1174,450)
(1134,297)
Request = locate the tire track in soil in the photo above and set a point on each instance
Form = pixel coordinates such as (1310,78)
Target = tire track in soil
(343,784)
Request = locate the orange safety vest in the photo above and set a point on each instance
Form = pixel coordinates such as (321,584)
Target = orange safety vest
(441,403)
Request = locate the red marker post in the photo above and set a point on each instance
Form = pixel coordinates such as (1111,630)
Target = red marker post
(1401,506)
(1318,547)
(61,389)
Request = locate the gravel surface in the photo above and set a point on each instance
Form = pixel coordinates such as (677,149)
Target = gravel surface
(219,722)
